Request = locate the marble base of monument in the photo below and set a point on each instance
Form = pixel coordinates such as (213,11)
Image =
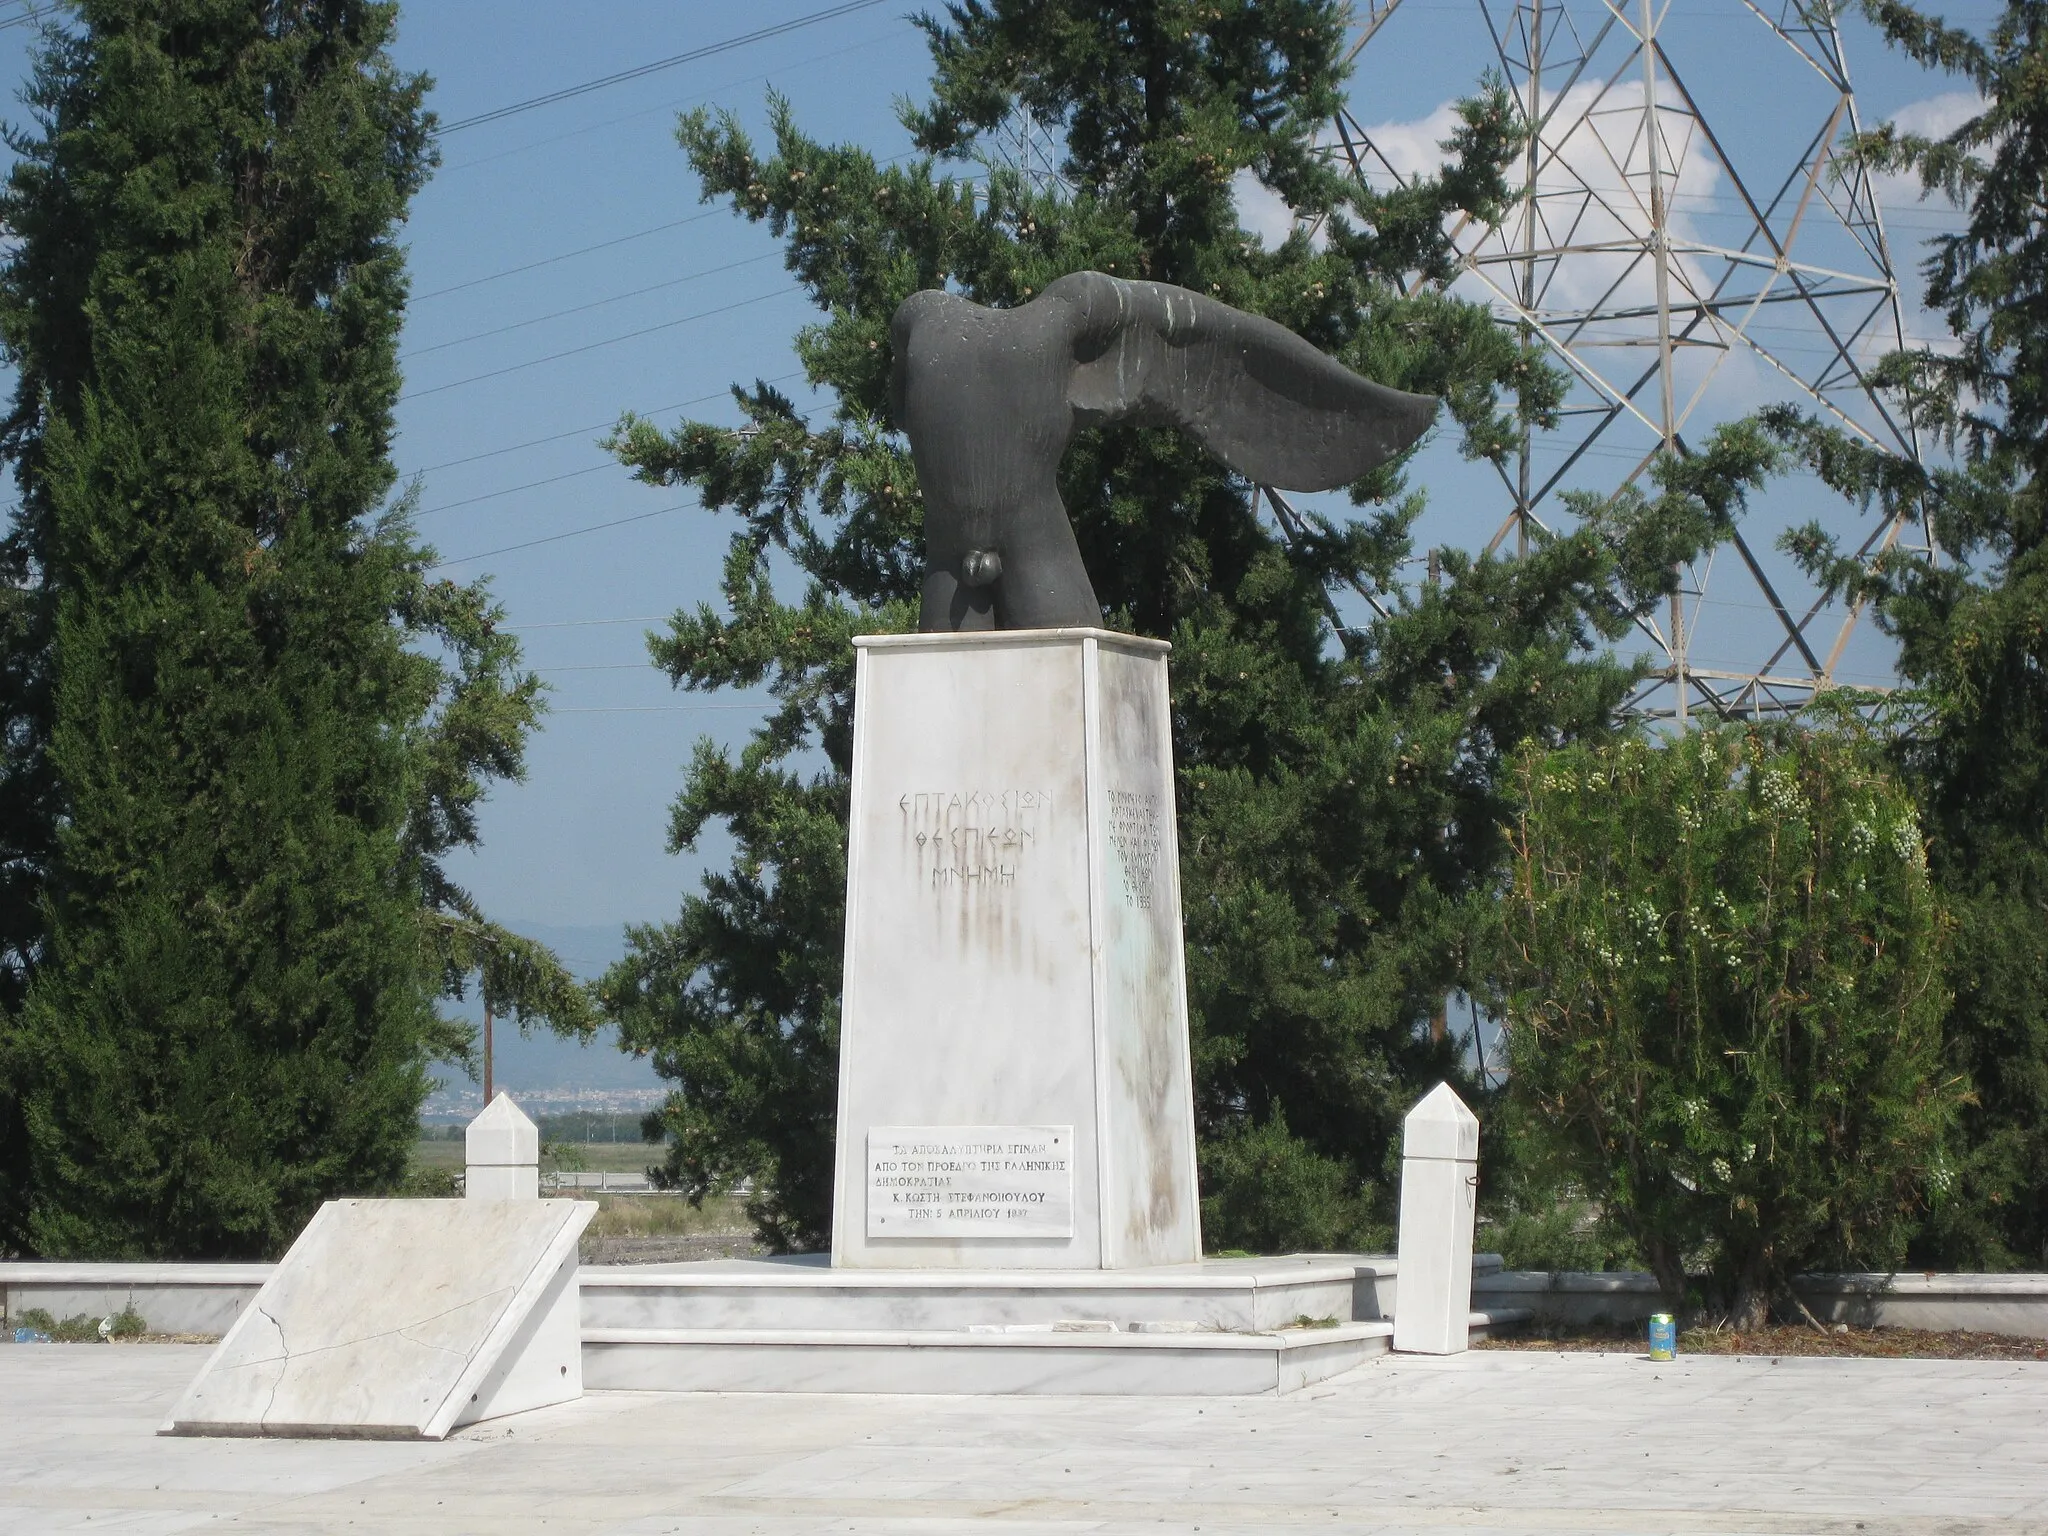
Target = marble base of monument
(1217,1327)
(1014,1088)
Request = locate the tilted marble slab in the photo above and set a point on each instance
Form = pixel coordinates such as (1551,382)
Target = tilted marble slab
(402,1319)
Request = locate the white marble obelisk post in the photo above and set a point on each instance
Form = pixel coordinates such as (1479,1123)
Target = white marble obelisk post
(1439,1206)
(1014,1086)
(501,1153)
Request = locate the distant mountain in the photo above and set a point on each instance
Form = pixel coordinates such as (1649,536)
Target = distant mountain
(586,951)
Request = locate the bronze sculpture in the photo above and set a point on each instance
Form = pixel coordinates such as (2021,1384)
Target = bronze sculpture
(991,398)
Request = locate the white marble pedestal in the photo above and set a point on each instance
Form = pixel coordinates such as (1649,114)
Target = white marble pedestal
(1014,1086)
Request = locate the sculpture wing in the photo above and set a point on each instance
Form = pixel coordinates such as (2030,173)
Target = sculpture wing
(1256,395)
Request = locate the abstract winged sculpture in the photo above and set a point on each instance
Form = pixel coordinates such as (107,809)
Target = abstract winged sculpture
(991,398)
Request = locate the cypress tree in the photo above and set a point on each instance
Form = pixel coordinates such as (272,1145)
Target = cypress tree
(1339,786)
(247,722)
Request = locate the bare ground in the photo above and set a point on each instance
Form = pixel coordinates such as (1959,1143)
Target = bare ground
(1781,1339)
(671,1250)
(657,1229)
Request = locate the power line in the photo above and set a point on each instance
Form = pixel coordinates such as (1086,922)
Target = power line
(577,309)
(574,474)
(548,261)
(595,426)
(669,106)
(609,341)
(707,51)
(556,538)
(585,250)
(556,437)
(470,501)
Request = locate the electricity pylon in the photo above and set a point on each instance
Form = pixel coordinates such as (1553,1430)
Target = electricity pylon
(1659,260)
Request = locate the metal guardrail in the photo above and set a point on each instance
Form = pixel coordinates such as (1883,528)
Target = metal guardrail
(601,1179)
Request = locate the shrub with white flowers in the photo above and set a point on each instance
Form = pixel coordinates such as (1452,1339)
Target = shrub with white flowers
(1724,990)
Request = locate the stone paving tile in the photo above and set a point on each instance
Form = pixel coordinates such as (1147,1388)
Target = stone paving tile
(1477,1444)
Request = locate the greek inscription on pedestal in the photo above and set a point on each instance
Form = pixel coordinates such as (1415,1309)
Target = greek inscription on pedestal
(1134,833)
(971,1181)
(968,839)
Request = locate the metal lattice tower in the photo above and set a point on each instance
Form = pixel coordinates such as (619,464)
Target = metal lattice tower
(1658,260)
(1028,148)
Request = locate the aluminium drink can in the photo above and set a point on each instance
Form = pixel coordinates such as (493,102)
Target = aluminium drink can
(1663,1337)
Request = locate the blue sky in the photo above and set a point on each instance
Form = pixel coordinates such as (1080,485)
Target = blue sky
(635,296)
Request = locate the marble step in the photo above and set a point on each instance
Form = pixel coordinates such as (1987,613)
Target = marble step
(784,1295)
(941,1361)
(1035,1362)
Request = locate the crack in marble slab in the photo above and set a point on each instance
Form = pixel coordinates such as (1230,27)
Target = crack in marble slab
(400,1332)
(284,1360)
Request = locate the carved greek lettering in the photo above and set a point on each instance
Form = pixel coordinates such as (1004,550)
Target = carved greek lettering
(976,838)
(1136,836)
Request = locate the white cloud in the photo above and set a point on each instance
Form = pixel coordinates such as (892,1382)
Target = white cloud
(1262,211)
(1594,196)
(1412,149)
(1913,217)
(1936,115)
(1931,118)
(1593,187)
(1415,147)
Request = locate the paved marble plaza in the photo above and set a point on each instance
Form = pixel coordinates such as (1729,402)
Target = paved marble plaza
(1489,1441)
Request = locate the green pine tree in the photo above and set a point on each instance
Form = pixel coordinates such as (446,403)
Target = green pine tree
(1972,621)
(248,723)
(1339,785)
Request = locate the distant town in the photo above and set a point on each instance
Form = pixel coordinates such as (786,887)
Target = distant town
(454,1103)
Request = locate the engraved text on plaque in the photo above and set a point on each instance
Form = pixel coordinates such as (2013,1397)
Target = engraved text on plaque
(971,1181)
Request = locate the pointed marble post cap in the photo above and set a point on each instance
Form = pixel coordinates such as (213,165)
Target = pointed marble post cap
(502,1136)
(1441,1126)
